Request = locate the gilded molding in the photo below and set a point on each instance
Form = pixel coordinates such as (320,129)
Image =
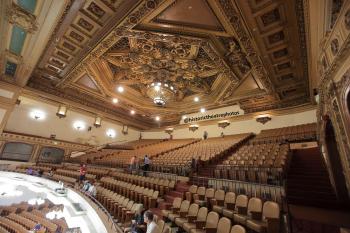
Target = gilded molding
(16,15)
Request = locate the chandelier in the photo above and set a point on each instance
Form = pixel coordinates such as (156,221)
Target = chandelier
(160,92)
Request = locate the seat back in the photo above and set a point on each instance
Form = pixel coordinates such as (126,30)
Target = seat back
(177,202)
(193,189)
(193,210)
(160,224)
(254,204)
(184,206)
(209,193)
(238,229)
(201,191)
(166,229)
(219,195)
(271,210)
(202,214)
(241,201)
(212,220)
(129,205)
(224,225)
(155,194)
(230,197)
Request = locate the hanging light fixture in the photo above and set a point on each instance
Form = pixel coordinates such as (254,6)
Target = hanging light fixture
(161,92)
(61,111)
(193,127)
(169,130)
(97,122)
(223,124)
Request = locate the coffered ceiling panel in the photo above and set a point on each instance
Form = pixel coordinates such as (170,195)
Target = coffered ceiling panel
(156,56)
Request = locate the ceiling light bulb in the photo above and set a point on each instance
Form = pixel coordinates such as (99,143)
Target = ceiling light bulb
(79,125)
(202,110)
(157,118)
(196,99)
(132,112)
(184,117)
(115,100)
(159,84)
(37,115)
(120,89)
(111,133)
(157,88)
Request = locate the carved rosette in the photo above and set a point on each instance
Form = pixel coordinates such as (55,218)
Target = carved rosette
(16,15)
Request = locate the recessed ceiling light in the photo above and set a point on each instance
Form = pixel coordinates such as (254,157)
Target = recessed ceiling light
(132,112)
(157,118)
(196,99)
(202,110)
(120,89)
(37,115)
(79,125)
(111,133)
(115,100)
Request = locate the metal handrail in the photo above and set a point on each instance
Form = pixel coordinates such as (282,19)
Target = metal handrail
(100,206)
(241,186)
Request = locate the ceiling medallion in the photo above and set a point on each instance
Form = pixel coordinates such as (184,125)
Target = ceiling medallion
(160,92)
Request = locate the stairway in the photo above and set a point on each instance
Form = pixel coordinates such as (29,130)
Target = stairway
(180,189)
(308,180)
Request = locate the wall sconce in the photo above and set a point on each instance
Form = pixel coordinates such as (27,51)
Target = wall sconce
(125,129)
(193,127)
(98,122)
(111,133)
(61,111)
(79,125)
(263,119)
(169,130)
(223,124)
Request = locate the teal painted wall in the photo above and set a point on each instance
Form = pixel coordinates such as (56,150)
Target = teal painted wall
(28,5)
(17,39)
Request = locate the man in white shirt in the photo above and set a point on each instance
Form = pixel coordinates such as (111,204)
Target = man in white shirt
(152,227)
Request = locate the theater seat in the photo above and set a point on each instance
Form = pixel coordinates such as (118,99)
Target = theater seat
(174,209)
(210,226)
(241,207)
(201,217)
(192,214)
(254,211)
(192,190)
(229,204)
(238,229)
(182,212)
(224,225)
(209,194)
(218,199)
(270,219)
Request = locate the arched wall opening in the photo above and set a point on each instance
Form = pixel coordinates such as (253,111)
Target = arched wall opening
(335,162)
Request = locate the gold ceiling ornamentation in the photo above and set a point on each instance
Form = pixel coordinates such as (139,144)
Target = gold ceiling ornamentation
(18,16)
(243,52)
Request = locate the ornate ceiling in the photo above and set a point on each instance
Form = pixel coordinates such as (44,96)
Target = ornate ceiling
(250,52)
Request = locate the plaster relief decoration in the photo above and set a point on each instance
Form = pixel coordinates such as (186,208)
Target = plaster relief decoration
(18,16)
(347,20)
(335,46)
(143,63)
(164,53)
